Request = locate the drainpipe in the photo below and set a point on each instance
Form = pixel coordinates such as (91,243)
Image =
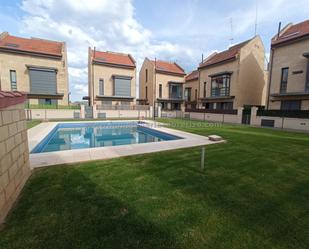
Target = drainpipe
(154,91)
(270,76)
(92,77)
(272,51)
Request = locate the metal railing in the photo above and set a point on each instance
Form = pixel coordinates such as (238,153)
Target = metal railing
(284,113)
(215,111)
(124,107)
(217,92)
(44,106)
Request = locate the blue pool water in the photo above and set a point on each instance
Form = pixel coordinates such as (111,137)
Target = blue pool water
(70,136)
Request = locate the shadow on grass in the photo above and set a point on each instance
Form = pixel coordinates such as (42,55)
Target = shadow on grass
(62,208)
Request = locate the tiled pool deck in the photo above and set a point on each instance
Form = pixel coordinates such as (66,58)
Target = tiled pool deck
(37,134)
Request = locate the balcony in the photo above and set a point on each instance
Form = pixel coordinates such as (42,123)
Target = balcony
(220,92)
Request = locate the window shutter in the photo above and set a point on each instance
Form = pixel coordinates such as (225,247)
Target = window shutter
(122,87)
(42,81)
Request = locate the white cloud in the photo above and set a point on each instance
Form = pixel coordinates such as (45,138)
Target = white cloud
(108,25)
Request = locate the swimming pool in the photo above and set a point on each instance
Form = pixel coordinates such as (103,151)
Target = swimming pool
(70,136)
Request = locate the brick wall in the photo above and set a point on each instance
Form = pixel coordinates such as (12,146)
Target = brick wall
(14,154)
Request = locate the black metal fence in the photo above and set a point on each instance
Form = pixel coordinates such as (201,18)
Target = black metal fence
(284,113)
(233,112)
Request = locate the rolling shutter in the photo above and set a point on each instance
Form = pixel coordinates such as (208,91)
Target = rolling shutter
(122,87)
(43,81)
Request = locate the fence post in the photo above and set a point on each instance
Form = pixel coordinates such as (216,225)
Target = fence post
(203,159)
(82,111)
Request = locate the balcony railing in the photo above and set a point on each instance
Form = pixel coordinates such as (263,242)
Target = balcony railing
(123,107)
(217,92)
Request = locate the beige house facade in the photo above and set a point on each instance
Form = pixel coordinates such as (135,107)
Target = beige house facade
(234,78)
(191,90)
(111,78)
(35,66)
(161,83)
(288,87)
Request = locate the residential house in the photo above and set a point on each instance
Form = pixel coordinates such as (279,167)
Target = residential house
(234,78)
(288,87)
(35,66)
(111,78)
(161,83)
(191,89)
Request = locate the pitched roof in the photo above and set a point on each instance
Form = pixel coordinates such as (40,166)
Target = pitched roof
(113,58)
(225,55)
(32,45)
(192,76)
(8,98)
(168,67)
(292,32)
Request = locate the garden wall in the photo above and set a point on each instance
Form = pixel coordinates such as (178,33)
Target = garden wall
(280,122)
(14,153)
(46,114)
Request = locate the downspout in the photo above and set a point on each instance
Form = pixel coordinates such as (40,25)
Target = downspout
(270,76)
(154,91)
(199,82)
(92,77)
(271,66)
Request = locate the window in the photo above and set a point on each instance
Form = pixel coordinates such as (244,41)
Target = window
(13,80)
(160,91)
(220,85)
(48,102)
(122,86)
(284,79)
(195,94)
(146,72)
(204,91)
(146,92)
(101,87)
(291,105)
(188,94)
(175,91)
(43,81)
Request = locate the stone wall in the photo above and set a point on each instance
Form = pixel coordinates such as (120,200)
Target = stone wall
(14,153)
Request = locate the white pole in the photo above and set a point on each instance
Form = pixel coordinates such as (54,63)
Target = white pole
(203,158)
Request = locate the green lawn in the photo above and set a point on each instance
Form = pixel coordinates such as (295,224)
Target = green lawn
(254,193)
(32,123)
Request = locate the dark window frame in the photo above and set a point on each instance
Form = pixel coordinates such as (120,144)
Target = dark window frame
(160,91)
(146,92)
(289,104)
(101,88)
(224,90)
(284,84)
(146,72)
(13,82)
(188,93)
(204,90)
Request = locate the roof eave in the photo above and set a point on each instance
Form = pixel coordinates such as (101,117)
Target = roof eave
(219,62)
(25,52)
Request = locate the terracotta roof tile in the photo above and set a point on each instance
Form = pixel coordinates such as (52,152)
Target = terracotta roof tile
(168,67)
(11,98)
(293,32)
(31,45)
(224,55)
(114,58)
(192,76)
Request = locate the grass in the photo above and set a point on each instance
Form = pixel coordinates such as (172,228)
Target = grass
(253,193)
(32,123)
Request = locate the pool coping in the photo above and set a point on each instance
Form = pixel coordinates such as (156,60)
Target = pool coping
(37,133)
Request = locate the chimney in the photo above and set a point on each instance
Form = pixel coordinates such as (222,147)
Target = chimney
(3,35)
(279,29)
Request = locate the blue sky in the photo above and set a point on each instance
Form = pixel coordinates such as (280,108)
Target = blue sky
(166,29)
